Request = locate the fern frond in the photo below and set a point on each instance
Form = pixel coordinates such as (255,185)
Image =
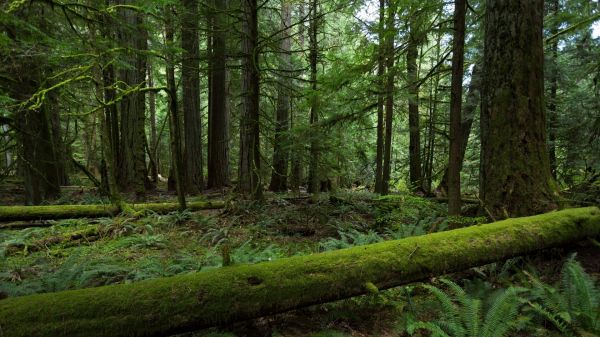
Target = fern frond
(500,318)
(436,330)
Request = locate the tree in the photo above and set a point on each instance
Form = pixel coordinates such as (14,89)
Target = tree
(314,180)
(515,169)
(455,160)
(279,173)
(190,78)
(177,163)
(412,53)
(132,36)
(218,140)
(389,95)
(249,172)
(380,98)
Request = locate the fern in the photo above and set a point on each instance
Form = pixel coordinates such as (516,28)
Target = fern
(573,307)
(462,315)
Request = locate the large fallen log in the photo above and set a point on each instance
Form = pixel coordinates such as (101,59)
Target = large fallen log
(182,303)
(16,213)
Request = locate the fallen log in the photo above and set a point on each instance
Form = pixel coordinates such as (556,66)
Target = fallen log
(19,213)
(187,302)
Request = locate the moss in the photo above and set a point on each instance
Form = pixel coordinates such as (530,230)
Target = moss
(186,302)
(14,213)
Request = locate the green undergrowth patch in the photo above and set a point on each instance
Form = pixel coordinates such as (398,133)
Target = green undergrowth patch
(78,253)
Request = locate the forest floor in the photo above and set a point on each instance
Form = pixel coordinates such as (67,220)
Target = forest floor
(79,253)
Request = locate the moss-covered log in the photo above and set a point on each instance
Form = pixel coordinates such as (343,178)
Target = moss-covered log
(182,303)
(16,213)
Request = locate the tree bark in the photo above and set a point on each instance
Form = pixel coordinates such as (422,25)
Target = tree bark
(218,140)
(515,170)
(412,53)
(390,32)
(167,306)
(132,173)
(552,100)
(380,100)
(314,179)
(454,161)
(177,162)
(153,144)
(249,173)
(281,145)
(190,78)
(468,115)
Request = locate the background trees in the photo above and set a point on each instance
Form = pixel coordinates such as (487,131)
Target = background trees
(296,95)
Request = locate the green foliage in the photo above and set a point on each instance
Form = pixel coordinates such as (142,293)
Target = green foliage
(462,315)
(573,308)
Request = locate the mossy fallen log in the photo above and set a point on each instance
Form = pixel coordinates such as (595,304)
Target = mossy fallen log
(182,303)
(16,213)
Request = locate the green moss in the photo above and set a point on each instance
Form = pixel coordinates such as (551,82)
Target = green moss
(12,213)
(186,302)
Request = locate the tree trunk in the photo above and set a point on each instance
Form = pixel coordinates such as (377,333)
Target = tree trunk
(190,78)
(454,161)
(25,213)
(552,100)
(380,97)
(296,171)
(468,114)
(390,32)
(218,140)
(153,145)
(282,124)
(515,170)
(314,180)
(166,306)
(412,53)
(177,162)
(132,159)
(249,172)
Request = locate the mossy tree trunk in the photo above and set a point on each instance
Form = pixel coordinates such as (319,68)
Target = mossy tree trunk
(166,306)
(380,97)
(515,169)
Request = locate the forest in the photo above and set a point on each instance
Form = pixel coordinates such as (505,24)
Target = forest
(319,168)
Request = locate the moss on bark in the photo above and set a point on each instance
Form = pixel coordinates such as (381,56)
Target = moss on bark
(16,213)
(183,303)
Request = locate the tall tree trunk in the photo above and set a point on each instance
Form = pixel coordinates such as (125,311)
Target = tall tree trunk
(39,161)
(132,160)
(468,115)
(153,146)
(190,78)
(515,169)
(177,162)
(454,161)
(298,149)
(390,32)
(249,172)
(218,140)
(281,145)
(552,100)
(313,169)
(412,53)
(380,99)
